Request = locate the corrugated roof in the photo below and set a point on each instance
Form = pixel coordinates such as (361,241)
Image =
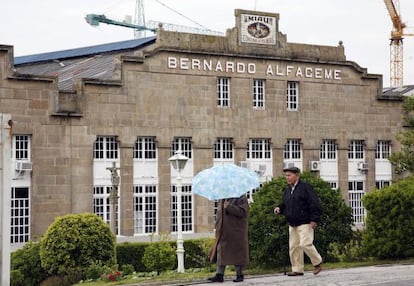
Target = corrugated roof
(98,62)
(81,52)
(405,90)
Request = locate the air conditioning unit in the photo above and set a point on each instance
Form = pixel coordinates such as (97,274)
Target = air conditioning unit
(261,170)
(315,166)
(23,166)
(243,164)
(362,166)
(288,165)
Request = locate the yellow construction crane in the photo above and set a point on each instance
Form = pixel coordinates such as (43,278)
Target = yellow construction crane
(396,44)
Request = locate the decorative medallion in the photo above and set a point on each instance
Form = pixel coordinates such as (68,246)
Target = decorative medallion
(258,29)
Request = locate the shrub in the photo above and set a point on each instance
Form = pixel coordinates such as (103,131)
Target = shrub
(131,253)
(389,222)
(196,252)
(268,233)
(95,270)
(75,241)
(25,266)
(127,269)
(159,256)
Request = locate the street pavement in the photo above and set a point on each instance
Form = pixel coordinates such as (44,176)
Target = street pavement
(381,275)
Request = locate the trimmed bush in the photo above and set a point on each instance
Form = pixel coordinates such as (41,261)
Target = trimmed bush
(390,220)
(25,266)
(159,256)
(75,241)
(132,253)
(268,233)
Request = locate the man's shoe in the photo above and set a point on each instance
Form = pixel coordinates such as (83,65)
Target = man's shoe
(216,278)
(317,269)
(294,273)
(239,278)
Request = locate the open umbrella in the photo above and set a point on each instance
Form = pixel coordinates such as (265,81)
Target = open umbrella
(224,181)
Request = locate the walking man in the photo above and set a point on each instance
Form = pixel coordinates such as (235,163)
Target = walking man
(301,207)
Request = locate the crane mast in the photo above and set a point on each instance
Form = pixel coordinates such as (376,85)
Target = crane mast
(396,44)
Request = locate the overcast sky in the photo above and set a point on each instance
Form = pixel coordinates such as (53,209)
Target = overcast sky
(364,26)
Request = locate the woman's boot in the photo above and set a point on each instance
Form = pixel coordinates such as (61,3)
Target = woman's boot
(217,278)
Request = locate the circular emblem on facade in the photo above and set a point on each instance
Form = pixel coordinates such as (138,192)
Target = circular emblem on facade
(258,30)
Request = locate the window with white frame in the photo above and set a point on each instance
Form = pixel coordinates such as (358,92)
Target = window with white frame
(21,147)
(258,149)
(328,150)
(356,191)
(101,204)
(356,149)
(223,149)
(292,93)
(383,150)
(258,94)
(334,185)
(20,215)
(145,148)
(382,184)
(105,147)
(186,209)
(145,209)
(292,149)
(183,144)
(223,92)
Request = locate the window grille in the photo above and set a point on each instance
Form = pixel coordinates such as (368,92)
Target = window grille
(223,92)
(258,94)
(356,193)
(258,149)
(328,150)
(292,100)
(20,215)
(186,209)
(145,209)
(145,148)
(292,149)
(223,149)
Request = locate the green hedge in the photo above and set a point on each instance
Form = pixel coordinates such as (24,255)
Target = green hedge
(195,255)
(390,219)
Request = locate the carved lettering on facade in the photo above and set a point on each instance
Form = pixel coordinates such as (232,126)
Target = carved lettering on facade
(278,70)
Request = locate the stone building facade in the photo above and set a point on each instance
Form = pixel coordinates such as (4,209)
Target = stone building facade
(249,97)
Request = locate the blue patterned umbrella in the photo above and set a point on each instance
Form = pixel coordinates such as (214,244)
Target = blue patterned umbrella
(224,181)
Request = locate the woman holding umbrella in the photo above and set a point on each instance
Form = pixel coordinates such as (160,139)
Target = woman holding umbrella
(231,245)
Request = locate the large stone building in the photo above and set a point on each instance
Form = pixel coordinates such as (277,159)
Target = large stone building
(249,97)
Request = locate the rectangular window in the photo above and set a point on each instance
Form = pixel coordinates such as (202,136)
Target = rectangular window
(328,150)
(102,206)
(356,149)
(145,209)
(383,150)
(223,92)
(223,149)
(105,147)
(258,94)
(292,99)
(145,148)
(356,193)
(20,215)
(183,144)
(382,184)
(258,149)
(186,209)
(21,150)
(292,149)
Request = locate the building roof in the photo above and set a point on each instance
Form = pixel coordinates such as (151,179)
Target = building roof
(98,62)
(405,90)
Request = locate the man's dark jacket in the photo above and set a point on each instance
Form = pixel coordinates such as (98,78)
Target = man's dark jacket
(302,206)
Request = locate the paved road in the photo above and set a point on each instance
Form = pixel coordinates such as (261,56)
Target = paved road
(384,275)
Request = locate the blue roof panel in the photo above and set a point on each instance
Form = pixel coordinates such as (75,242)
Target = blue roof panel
(79,52)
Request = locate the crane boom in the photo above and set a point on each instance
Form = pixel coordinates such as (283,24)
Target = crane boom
(94,20)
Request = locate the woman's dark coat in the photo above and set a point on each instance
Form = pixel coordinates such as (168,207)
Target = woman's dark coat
(232,232)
